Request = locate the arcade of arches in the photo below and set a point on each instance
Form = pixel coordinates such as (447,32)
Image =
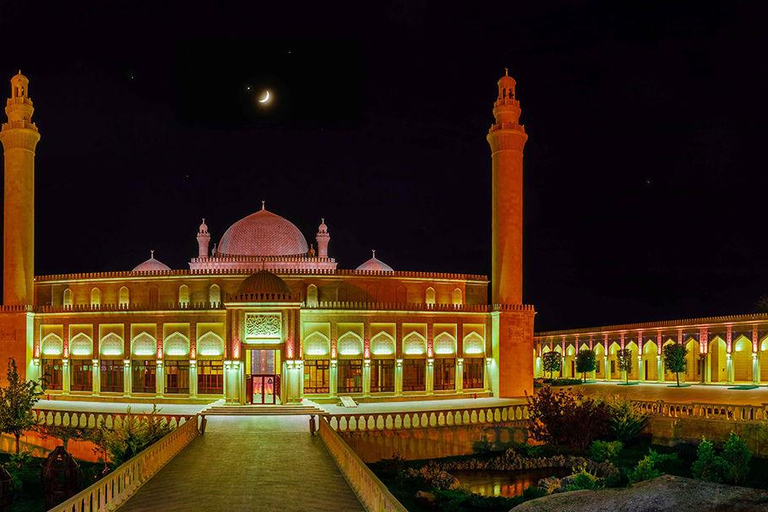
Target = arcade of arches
(725,350)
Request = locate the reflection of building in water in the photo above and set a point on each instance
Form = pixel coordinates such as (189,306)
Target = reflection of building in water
(264,316)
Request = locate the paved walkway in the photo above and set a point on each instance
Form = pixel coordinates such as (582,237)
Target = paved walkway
(258,463)
(695,393)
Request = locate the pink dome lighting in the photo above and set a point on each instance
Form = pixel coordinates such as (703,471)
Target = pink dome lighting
(151,265)
(374,264)
(263,234)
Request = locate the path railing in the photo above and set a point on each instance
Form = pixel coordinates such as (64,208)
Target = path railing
(118,486)
(376,421)
(729,412)
(371,492)
(94,419)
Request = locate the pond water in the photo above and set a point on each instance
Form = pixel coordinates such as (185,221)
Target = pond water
(505,483)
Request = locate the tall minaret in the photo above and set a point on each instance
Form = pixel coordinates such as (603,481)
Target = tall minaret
(203,239)
(322,238)
(19,137)
(507,138)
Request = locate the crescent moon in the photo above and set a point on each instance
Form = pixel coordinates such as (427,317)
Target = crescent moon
(265,98)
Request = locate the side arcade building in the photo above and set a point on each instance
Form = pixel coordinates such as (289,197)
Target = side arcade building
(262,316)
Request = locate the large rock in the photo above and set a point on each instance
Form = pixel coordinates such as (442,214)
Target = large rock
(664,494)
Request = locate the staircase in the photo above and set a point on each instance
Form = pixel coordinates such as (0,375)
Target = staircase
(262,410)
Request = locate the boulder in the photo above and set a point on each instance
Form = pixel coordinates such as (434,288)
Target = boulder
(550,484)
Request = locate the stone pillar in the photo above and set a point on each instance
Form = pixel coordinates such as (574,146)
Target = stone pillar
(460,374)
(159,378)
(398,377)
(96,377)
(755,355)
(66,382)
(127,378)
(729,355)
(192,378)
(366,377)
(334,376)
(430,376)
(608,372)
(659,361)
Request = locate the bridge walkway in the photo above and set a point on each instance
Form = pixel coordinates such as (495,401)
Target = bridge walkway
(249,463)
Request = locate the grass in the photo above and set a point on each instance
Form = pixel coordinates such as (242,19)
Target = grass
(745,387)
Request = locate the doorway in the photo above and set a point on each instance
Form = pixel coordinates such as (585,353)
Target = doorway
(262,384)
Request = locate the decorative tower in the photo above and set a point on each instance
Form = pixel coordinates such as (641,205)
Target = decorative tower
(203,239)
(512,321)
(507,138)
(19,137)
(322,238)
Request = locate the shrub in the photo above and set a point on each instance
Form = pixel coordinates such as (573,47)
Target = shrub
(131,436)
(708,465)
(565,419)
(646,467)
(601,451)
(582,479)
(625,421)
(565,382)
(736,456)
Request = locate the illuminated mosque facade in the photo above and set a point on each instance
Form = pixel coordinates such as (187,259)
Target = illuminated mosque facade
(260,315)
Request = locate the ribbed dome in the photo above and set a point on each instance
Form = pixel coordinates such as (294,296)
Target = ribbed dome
(151,265)
(263,234)
(375,264)
(262,286)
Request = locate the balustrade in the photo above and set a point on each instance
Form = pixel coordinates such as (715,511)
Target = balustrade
(94,419)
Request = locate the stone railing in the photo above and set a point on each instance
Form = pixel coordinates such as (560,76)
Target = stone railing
(371,492)
(122,483)
(94,419)
(728,412)
(424,419)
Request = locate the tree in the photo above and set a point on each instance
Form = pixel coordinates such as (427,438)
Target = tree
(65,433)
(674,359)
(624,361)
(16,402)
(585,362)
(551,362)
(565,419)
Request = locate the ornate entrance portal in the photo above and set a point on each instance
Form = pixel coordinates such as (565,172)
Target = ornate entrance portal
(263,383)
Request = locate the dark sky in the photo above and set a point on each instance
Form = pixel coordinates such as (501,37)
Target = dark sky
(645,168)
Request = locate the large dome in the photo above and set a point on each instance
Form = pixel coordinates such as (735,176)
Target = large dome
(263,234)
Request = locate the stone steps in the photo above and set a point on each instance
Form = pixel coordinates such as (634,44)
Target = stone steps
(262,410)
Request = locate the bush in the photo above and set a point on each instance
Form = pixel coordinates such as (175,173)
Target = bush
(708,465)
(565,382)
(565,419)
(601,451)
(625,421)
(736,456)
(582,479)
(131,436)
(646,467)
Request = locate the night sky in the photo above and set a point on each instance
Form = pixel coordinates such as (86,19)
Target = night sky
(645,168)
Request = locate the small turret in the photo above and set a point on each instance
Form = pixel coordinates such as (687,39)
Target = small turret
(203,239)
(322,240)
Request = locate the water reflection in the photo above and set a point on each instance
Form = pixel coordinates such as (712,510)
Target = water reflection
(504,483)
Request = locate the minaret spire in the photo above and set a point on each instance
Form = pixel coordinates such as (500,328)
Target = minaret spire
(203,239)
(322,239)
(19,137)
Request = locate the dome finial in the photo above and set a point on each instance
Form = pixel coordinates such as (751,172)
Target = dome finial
(506,71)
(151,254)
(263,204)
(373,252)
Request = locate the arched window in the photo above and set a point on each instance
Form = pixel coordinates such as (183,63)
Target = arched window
(95,297)
(430,295)
(67,298)
(124,297)
(312,296)
(214,295)
(458,299)
(184,295)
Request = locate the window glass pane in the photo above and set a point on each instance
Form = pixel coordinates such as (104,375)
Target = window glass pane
(414,371)
(316,376)
(111,376)
(350,376)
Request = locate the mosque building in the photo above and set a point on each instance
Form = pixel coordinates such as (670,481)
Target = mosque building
(261,316)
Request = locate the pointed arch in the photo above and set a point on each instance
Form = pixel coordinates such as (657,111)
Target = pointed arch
(184,295)
(111,345)
(52,345)
(457,297)
(414,343)
(429,295)
(383,344)
(317,344)
(741,359)
(350,344)
(475,344)
(176,344)
(717,357)
(693,368)
(210,344)
(312,301)
(214,294)
(81,345)
(66,298)
(124,297)
(144,344)
(444,343)
(95,297)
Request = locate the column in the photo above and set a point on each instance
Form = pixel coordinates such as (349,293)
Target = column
(398,377)
(487,381)
(65,377)
(659,361)
(159,378)
(96,377)
(334,384)
(430,376)
(755,356)
(460,374)
(192,378)
(608,372)
(366,377)
(729,354)
(640,369)
(127,378)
